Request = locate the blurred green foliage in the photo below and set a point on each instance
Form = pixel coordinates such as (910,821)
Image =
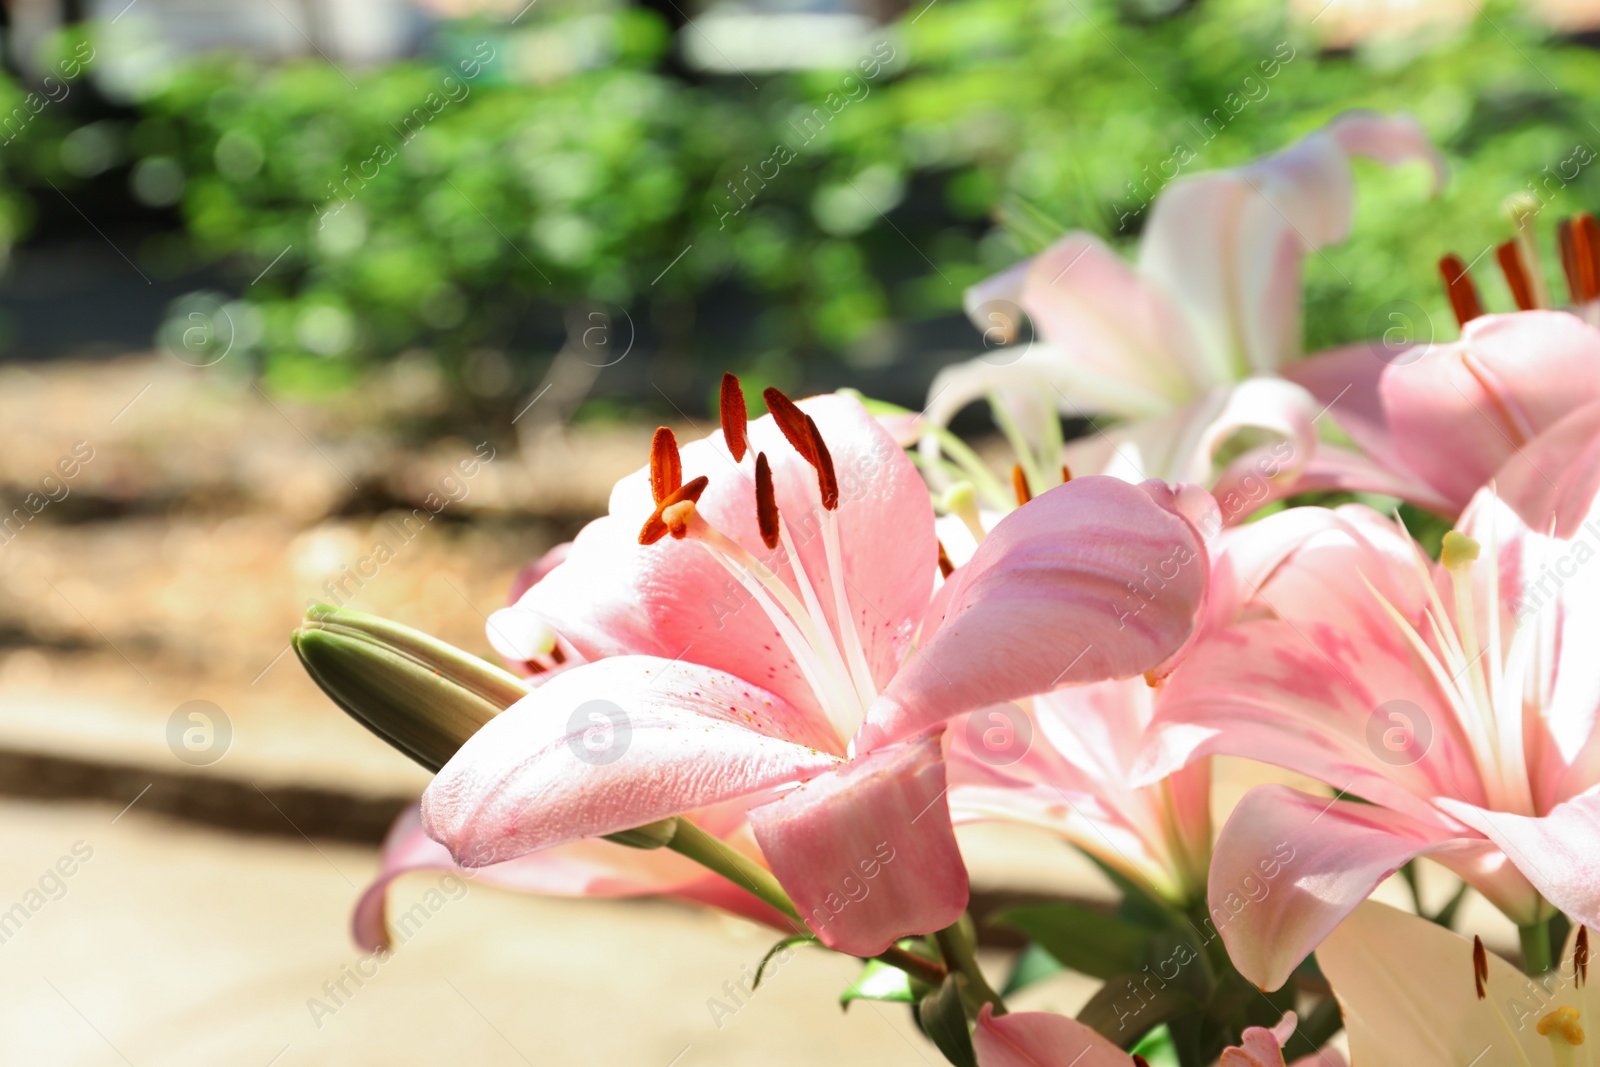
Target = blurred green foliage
(468,200)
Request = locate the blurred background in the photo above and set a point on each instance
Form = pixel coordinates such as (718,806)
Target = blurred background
(271,270)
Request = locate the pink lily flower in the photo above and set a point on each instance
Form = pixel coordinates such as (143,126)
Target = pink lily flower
(1461,700)
(759,613)
(1415,994)
(1515,401)
(1195,345)
(1044,1039)
(1064,762)
(581,868)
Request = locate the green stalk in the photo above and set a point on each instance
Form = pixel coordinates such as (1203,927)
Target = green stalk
(970,462)
(1019,444)
(1536,947)
(959,949)
(708,852)
(694,843)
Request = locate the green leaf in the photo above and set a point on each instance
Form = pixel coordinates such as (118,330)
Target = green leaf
(1129,1006)
(1158,1048)
(788,942)
(880,981)
(944,1019)
(1088,941)
(1034,964)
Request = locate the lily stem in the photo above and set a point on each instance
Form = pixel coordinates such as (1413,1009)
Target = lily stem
(959,950)
(918,967)
(694,843)
(1536,947)
(706,850)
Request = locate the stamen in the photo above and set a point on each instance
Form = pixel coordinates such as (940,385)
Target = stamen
(1140,1061)
(1580,958)
(735,418)
(1517,276)
(666,467)
(766,502)
(1464,300)
(1569,260)
(1586,255)
(1066,474)
(827,481)
(677,517)
(792,421)
(1480,965)
(1523,208)
(1480,975)
(803,436)
(558,656)
(1564,1021)
(945,566)
(659,524)
(961,500)
(1019,485)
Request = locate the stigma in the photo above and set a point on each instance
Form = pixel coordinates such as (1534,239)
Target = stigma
(1562,1024)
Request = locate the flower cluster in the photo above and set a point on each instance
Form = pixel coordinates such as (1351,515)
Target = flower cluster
(795,656)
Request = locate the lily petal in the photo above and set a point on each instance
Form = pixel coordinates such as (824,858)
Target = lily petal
(867,853)
(1315,701)
(1288,867)
(579,869)
(1553,481)
(1558,852)
(1406,989)
(608,746)
(1041,1039)
(1228,246)
(1091,580)
(1461,411)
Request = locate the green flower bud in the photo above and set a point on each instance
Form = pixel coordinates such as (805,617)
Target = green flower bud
(423,696)
(418,693)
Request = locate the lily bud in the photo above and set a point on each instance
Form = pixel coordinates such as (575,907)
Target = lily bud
(423,696)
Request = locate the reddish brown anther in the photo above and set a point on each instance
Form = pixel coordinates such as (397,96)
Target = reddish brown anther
(557,656)
(800,430)
(1580,958)
(1066,474)
(1517,277)
(1569,265)
(1480,965)
(735,417)
(659,524)
(792,421)
(766,502)
(1586,257)
(1140,1061)
(666,468)
(1463,294)
(827,480)
(1019,484)
(945,566)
